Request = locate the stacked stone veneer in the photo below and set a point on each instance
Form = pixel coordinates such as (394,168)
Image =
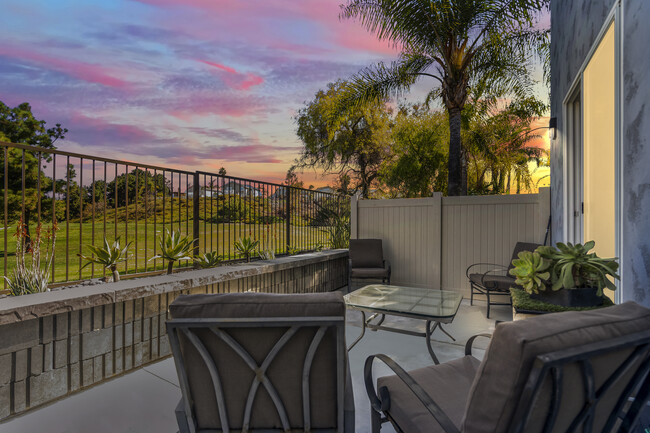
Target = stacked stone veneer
(54,344)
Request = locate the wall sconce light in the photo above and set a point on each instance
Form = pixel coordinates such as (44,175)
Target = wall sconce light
(552,128)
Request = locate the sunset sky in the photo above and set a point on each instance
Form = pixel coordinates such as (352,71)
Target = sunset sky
(192,84)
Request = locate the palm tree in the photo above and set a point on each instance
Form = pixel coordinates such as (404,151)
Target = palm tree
(498,141)
(461,44)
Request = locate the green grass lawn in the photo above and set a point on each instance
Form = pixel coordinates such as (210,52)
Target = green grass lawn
(73,237)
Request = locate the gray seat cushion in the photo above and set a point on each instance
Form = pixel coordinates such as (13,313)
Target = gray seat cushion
(366,253)
(448,384)
(493,282)
(515,345)
(368,273)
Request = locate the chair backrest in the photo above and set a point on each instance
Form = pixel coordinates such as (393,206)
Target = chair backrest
(257,361)
(366,253)
(519,247)
(560,372)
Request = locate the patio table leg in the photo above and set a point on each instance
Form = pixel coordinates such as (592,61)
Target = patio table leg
(429,331)
(381,320)
(363,331)
(447,333)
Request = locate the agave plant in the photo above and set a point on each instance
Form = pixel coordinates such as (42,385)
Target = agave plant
(108,256)
(31,275)
(208,260)
(531,271)
(574,267)
(246,247)
(174,247)
(267,254)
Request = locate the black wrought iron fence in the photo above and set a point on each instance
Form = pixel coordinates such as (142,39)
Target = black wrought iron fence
(87,199)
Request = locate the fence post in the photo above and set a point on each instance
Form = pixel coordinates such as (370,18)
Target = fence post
(354,210)
(288,215)
(196,193)
(544,209)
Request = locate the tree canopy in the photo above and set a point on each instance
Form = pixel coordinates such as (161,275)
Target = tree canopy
(18,125)
(352,143)
(460,44)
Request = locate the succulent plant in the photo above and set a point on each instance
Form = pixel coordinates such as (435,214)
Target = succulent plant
(208,260)
(108,256)
(531,271)
(267,254)
(246,247)
(574,267)
(174,247)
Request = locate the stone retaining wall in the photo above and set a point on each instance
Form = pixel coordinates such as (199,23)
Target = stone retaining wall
(56,343)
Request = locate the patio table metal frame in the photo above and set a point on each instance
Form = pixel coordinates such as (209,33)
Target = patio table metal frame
(381,300)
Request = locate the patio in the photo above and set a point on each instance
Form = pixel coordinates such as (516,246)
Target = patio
(144,400)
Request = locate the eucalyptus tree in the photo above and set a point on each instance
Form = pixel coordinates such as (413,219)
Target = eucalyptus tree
(458,44)
(351,144)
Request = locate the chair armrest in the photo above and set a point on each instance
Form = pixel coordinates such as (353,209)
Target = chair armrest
(494,268)
(349,263)
(470,342)
(387,265)
(383,403)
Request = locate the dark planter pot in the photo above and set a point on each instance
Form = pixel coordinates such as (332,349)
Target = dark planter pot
(580,297)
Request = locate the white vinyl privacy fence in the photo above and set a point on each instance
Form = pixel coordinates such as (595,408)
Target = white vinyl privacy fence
(431,241)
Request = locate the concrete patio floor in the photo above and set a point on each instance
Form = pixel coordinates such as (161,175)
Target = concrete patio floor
(143,401)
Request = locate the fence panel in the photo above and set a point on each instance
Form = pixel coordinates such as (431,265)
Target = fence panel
(432,241)
(485,230)
(86,199)
(410,230)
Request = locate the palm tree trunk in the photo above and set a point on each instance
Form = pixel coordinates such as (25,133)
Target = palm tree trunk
(455,169)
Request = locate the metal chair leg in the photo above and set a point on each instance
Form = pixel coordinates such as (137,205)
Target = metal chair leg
(487,293)
(471,294)
(375,419)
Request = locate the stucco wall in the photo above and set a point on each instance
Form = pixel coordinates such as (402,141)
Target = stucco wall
(636,172)
(574,27)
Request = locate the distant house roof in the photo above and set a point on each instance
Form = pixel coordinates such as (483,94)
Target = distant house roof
(327,189)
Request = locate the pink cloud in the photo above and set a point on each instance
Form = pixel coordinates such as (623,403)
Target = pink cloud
(236,17)
(83,71)
(89,130)
(221,105)
(234,79)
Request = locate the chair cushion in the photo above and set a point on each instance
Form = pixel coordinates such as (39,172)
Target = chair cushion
(493,282)
(448,385)
(252,304)
(515,345)
(368,273)
(366,253)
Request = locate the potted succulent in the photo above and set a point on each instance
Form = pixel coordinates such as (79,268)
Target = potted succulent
(531,271)
(567,275)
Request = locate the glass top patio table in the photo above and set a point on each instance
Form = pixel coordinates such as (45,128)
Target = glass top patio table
(422,303)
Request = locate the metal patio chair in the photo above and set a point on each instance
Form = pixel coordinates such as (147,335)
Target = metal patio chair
(490,279)
(258,362)
(583,371)
(367,261)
